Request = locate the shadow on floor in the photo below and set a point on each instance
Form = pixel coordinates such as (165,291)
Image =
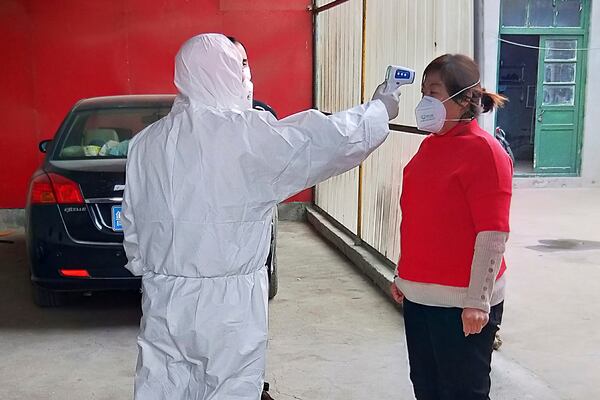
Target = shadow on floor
(17,311)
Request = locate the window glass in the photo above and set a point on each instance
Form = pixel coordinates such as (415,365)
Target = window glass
(514,12)
(105,133)
(559,73)
(559,95)
(568,13)
(541,13)
(561,50)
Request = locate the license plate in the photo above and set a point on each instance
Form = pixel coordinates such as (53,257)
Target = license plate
(116,219)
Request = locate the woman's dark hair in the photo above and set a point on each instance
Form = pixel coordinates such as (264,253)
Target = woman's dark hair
(458,71)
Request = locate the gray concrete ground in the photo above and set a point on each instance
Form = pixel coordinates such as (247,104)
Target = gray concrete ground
(552,315)
(11,217)
(552,318)
(334,335)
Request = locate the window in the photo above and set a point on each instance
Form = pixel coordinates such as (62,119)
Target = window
(514,12)
(542,13)
(559,72)
(559,95)
(563,50)
(568,13)
(105,133)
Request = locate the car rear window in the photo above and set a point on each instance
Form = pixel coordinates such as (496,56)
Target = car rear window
(100,134)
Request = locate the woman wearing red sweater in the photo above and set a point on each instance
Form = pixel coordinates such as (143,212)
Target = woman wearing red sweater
(455,210)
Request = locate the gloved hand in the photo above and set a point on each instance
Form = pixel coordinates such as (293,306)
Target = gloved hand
(389,100)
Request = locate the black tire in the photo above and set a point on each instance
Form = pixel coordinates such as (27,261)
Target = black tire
(273,278)
(43,297)
(273,275)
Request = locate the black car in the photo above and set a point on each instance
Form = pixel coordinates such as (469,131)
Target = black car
(74,233)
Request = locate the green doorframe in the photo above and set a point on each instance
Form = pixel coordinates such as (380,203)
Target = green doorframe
(581,32)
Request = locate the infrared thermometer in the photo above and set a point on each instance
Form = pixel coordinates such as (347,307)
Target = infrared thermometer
(396,76)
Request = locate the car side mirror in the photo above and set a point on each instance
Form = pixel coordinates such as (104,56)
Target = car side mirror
(44,144)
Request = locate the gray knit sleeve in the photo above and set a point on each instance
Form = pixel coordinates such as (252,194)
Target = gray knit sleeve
(487,259)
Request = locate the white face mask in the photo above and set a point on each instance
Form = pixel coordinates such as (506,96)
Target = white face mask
(246,74)
(431,113)
(248,86)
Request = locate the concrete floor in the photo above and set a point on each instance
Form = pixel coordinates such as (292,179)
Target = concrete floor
(333,334)
(552,314)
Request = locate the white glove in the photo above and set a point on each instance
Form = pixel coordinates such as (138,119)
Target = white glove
(389,100)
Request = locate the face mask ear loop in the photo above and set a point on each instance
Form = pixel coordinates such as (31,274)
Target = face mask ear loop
(462,90)
(456,94)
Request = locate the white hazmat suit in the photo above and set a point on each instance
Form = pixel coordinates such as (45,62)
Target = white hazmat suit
(201,186)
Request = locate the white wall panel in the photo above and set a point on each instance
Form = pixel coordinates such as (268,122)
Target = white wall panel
(399,32)
(338,66)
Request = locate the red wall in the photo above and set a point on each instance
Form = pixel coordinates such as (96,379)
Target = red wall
(55,53)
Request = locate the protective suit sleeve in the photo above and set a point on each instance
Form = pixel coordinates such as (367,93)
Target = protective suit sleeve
(321,146)
(130,237)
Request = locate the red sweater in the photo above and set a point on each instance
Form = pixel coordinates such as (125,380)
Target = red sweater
(457,185)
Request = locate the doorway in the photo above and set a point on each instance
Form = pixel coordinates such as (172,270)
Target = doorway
(518,80)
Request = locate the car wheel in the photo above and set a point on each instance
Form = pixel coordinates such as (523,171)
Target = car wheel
(43,297)
(273,276)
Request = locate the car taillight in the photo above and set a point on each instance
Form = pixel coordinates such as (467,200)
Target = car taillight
(65,190)
(53,188)
(41,190)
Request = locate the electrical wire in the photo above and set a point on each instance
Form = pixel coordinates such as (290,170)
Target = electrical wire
(545,48)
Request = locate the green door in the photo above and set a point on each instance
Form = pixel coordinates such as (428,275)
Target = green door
(558,102)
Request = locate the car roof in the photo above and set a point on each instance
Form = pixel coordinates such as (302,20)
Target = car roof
(138,100)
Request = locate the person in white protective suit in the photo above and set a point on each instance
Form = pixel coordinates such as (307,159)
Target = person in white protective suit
(201,186)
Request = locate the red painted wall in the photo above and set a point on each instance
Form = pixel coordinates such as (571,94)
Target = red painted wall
(55,53)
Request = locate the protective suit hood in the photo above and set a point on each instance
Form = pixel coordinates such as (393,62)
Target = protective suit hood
(208,72)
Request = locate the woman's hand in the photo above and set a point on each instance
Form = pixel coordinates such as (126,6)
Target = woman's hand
(474,320)
(396,294)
